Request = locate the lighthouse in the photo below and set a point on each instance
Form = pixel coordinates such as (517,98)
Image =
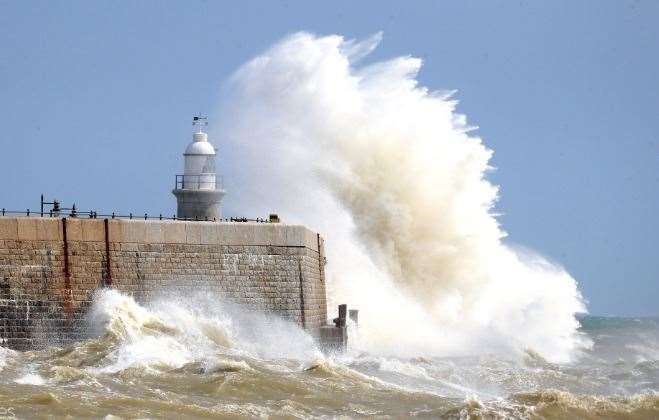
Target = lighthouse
(199,189)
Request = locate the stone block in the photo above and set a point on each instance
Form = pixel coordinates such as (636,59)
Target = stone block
(173,232)
(116,231)
(129,247)
(93,230)
(268,234)
(27,229)
(209,233)
(300,236)
(228,233)
(134,230)
(193,232)
(73,229)
(296,235)
(278,234)
(154,232)
(310,239)
(256,234)
(8,228)
(263,234)
(49,229)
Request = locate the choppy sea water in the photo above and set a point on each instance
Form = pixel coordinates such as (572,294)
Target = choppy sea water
(203,359)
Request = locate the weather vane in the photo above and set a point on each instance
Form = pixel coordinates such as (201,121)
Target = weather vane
(200,121)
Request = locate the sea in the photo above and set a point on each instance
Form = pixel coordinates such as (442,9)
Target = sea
(209,359)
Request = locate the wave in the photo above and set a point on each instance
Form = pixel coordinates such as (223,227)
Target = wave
(396,180)
(552,404)
(204,357)
(171,333)
(557,404)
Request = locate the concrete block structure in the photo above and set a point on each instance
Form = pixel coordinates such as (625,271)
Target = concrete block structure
(50,268)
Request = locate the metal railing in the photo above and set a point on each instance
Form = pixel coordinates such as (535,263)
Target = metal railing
(199,182)
(72,212)
(58,211)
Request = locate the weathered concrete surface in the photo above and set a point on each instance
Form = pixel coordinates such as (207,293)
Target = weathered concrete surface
(158,231)
(270,267)
(9,229)
(199,204)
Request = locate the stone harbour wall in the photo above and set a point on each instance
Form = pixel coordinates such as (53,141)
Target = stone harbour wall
(50,268)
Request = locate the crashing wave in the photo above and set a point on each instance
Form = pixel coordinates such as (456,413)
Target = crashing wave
(396,180)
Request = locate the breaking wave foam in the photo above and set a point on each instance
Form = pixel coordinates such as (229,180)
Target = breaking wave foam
(4,355)
(203,356)
(396,181)
(170,333)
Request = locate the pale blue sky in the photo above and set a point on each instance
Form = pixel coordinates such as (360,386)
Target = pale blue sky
(96,99)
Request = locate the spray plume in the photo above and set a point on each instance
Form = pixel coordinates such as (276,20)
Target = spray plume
(393,177)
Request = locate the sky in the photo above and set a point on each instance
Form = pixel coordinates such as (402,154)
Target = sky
(96,100)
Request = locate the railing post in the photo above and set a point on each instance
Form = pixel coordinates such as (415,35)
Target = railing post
(343,312)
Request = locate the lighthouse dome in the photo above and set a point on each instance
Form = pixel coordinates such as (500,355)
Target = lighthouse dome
(200,145)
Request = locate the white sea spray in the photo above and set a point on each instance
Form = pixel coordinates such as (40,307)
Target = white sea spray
(395,179)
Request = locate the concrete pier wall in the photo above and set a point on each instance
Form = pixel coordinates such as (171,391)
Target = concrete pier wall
(50,268)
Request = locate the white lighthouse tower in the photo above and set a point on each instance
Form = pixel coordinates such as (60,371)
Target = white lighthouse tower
(199,190)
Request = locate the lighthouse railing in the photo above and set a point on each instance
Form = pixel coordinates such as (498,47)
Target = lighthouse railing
(199,182)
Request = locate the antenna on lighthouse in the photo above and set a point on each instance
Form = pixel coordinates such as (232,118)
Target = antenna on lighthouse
(199,121)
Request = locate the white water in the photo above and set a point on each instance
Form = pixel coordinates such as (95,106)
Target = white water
(170,333)
(30,378)
(396,181)
(202,357)
(4,354)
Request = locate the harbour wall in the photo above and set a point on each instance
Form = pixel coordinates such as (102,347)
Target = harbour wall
(51,267)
